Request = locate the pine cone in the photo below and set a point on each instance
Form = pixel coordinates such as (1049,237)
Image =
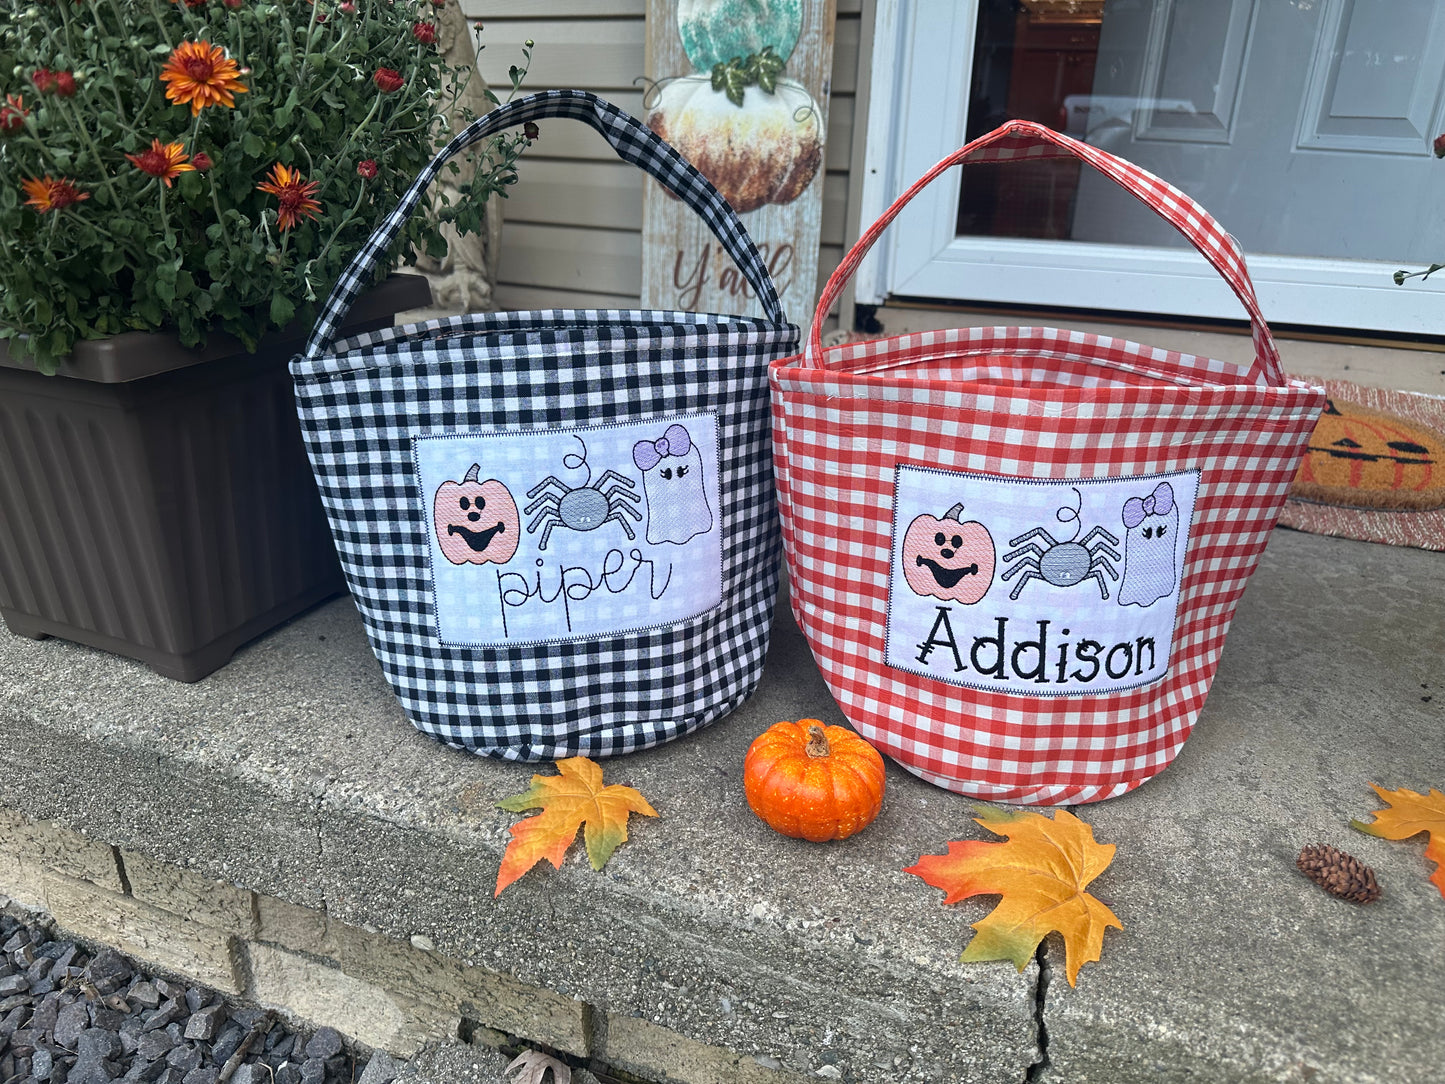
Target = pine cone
(1338,873)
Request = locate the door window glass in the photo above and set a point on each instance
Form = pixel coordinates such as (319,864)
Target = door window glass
(1304,126)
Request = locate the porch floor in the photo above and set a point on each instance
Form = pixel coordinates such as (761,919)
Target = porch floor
(291,772)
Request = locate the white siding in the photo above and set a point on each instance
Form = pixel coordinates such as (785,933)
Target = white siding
(573,224)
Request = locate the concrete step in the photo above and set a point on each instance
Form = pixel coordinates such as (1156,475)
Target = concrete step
(712,949)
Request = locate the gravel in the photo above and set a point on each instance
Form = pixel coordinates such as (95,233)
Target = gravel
(70,1016)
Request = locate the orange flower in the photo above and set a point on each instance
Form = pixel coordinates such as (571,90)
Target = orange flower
(294,193)
(48,194)
(200,73)
(166,162)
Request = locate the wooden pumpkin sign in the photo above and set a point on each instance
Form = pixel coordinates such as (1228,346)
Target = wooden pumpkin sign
(740,88)
(1364,458)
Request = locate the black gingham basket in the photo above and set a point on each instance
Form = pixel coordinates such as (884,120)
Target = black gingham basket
(559,526)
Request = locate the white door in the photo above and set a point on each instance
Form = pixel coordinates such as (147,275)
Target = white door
(1304,126)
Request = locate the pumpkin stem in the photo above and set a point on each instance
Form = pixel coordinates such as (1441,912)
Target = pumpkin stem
(817,742)
(474,475)
(955,513)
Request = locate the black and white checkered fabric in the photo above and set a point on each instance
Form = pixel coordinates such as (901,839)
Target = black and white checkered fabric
(364,401)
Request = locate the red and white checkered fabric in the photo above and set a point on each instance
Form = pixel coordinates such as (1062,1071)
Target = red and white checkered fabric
(1030,404)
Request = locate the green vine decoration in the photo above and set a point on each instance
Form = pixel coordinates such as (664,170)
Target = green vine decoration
(757,70)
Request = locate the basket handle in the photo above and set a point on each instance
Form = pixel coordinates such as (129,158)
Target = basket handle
(633,143)
(1021,139)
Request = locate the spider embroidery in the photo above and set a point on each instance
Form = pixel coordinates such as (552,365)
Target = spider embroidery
(1062,564)
(585,508)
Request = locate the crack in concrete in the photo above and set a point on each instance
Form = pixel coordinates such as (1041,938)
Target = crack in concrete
(1035,1072)
(321,852)
(125,888)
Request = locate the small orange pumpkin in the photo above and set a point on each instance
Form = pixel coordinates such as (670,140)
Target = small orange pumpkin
(811,781)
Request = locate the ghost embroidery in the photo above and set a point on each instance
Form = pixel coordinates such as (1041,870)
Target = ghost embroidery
(671,468)
(1151,526)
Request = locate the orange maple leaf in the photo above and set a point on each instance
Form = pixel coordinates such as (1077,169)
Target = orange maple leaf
(1041,873)
(568,801)
(1410,814)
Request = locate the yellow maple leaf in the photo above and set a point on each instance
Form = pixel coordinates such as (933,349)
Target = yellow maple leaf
(568,801)
(1411,813)
(1041,873)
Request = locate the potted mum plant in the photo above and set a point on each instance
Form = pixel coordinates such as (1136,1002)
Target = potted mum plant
(181,183)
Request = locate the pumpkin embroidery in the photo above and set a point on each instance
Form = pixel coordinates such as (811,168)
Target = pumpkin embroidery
(946,558)
(476,522)
(1360,457)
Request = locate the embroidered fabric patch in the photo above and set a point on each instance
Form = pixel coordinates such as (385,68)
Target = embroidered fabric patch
(565,534)
(1044,588)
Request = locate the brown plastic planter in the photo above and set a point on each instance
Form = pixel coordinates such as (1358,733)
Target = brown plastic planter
(157,502)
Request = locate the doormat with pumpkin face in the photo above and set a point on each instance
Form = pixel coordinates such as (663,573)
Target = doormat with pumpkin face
(1375,469)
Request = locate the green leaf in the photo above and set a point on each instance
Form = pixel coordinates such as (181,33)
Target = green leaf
(735,84)
(281,309)
(149,310)
(192,186)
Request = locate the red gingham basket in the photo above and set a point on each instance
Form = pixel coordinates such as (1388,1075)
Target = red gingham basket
(1015,552)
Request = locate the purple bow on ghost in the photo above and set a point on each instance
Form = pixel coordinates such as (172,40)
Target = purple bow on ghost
(648,453)
(1158,503)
